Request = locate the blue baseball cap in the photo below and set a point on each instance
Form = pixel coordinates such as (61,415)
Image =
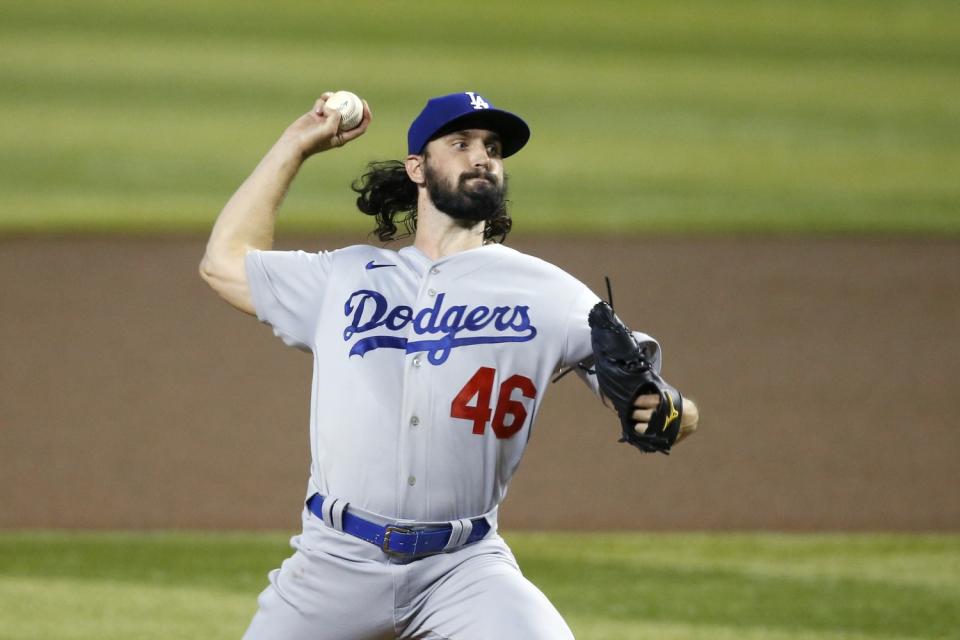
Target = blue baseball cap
(466,110)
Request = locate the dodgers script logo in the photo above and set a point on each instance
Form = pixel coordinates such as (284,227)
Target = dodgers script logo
(449,328)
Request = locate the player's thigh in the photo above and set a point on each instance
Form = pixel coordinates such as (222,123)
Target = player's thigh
(486,597)
(316,595)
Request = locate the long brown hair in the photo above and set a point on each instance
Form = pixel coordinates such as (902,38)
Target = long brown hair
(387,193)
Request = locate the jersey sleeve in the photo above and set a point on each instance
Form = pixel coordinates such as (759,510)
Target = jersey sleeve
(287,288)
(577,345)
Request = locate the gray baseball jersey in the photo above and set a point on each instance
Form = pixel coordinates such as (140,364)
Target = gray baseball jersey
(428,375)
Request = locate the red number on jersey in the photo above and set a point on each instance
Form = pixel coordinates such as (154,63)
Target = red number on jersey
(480,386)
(513,408)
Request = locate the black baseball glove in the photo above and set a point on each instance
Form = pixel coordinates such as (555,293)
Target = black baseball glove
(625,371)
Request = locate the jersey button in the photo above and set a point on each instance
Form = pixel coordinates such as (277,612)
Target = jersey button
(431,292)
(416,362)
(414,421)
(412,480)
(434,271)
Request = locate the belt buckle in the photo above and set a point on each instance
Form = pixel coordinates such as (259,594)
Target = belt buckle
(388,531)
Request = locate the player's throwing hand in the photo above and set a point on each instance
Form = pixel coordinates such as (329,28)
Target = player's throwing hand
(318,129)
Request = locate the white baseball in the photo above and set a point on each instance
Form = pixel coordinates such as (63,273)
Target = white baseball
(350,107)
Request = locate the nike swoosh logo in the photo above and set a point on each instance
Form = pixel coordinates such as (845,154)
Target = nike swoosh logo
(371,265)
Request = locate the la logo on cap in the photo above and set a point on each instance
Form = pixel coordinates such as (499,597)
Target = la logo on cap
(477,101)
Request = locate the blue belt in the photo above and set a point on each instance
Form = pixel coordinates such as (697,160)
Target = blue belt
(399,539)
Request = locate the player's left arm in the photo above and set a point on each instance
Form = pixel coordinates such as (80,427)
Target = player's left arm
(644,406)
(579,352)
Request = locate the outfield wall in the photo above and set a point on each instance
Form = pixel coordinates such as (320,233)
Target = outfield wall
(131,397)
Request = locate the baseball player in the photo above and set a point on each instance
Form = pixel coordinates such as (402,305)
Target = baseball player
(431,363)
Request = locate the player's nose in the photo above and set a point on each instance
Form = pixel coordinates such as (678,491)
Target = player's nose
(479,155)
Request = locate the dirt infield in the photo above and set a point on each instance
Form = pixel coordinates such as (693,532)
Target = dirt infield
(130,396)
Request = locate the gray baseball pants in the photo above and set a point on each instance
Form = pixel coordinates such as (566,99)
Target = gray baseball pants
(338,587)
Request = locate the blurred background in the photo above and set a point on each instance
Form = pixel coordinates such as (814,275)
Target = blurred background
(772,188)
(743,116)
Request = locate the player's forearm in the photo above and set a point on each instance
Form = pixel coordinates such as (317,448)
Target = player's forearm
(247,222)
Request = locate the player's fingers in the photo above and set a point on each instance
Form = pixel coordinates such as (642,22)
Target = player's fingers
(322,126)
(648,401)
(320,107)
(333,117)
(643,415)
(318,104)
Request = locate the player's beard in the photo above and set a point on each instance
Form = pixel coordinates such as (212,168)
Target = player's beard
(472,202)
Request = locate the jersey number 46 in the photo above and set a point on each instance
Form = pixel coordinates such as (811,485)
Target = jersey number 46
(480,386)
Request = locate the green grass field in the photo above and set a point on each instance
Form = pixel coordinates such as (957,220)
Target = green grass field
(616,586)
(741,116)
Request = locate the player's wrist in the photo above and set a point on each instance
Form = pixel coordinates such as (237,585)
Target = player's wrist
(292,147)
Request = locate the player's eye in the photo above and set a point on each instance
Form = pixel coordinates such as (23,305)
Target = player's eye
(494,150)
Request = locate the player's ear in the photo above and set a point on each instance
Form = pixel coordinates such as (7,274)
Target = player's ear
(415,166)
